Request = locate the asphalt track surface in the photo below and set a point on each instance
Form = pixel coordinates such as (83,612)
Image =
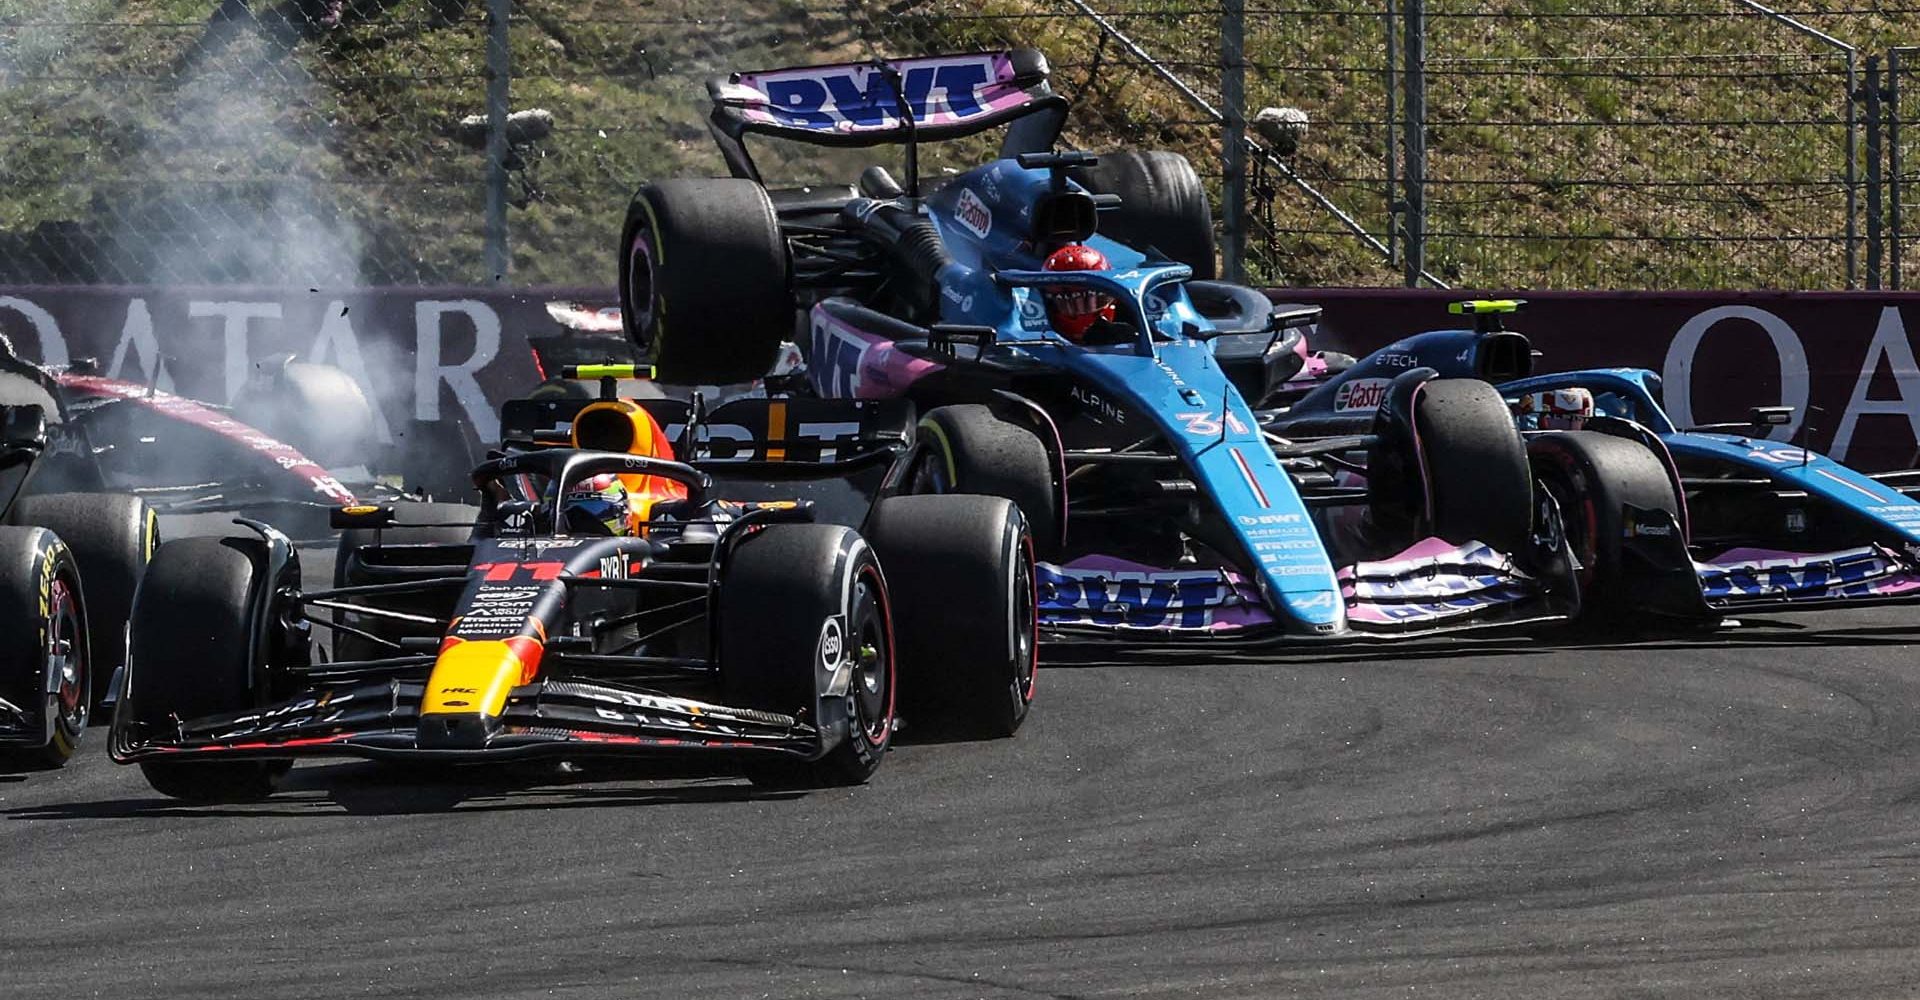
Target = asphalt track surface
(1732,815)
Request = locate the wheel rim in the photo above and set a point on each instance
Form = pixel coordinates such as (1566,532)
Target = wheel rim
(66,657)
(640,281)
(929,476)
(1577,523)
(872,687)
(1026,623)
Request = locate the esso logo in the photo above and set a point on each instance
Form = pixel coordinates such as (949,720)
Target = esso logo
(832,644)
(1361,394)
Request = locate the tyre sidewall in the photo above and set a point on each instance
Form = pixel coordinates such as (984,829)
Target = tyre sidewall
(966,448)
(40,583)
(112,538)
(782,593)
(965,609)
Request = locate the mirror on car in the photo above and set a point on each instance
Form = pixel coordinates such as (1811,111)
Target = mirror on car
(1064,217)
(1294,319)
(23,426)
(1771,416)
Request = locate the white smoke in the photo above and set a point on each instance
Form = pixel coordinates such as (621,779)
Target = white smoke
(254,206)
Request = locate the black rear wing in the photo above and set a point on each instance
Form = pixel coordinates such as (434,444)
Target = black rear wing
(882,101)
(798,437)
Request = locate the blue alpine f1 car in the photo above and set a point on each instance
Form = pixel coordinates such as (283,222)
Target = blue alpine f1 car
(1050,316)
(1694,522)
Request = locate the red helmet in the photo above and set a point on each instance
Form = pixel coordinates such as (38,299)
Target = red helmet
(1073,309)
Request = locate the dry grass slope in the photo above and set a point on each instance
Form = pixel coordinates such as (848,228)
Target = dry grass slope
(1648,143)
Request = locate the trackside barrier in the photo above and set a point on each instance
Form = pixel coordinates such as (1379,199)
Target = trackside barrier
(1845,361)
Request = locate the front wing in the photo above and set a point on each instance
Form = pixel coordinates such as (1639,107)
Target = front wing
(1431,588)
(548,718)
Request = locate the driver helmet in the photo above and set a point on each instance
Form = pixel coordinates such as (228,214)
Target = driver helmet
(597,505)
(1073,310)
(1555,409)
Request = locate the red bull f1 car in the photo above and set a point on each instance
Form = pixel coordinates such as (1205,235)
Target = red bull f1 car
(604,599)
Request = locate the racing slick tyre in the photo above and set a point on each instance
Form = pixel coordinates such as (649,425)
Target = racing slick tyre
(965,609)
(193,655)
(1475,464)
(803,610)
(970,450)
(318,409)
(1162,205)
(43,645)
(1592,477)
(414,524)
(705,280)
(112,537)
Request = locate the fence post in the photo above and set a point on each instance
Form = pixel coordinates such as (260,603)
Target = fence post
(1853,171)
(1233,107)
(1874,217)
(1895,225)
(499,76)
(1415,25)
(1391,146)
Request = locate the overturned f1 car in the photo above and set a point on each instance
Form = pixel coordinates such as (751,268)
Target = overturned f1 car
(709,618)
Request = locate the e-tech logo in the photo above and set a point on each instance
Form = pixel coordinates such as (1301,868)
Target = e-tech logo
(1360,394)
(843,98)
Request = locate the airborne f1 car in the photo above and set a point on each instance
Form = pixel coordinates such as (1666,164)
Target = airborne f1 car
(1115,402)
(690,614)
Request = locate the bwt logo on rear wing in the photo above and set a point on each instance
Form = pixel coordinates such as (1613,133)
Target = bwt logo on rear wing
(859,97)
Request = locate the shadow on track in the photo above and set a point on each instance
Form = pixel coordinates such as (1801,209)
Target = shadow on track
(362,788)
(1744,633)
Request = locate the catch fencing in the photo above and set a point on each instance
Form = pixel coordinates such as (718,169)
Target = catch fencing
(1903,167)
(1629,143)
